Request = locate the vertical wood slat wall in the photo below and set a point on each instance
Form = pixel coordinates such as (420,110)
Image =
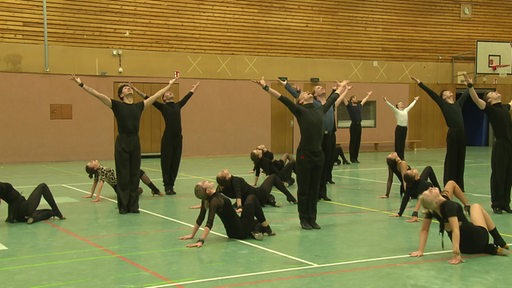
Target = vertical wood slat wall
(394,30)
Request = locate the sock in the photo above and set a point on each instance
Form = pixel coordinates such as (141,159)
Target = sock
(153,187)
(498,240)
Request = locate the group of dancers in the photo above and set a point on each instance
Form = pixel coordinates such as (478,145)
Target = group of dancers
(312,165)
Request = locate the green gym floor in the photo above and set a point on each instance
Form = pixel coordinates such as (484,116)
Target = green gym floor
(359,244)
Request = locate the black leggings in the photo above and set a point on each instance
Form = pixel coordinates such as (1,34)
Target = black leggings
(475,239)
(270,182)
(29,207)
(247,224)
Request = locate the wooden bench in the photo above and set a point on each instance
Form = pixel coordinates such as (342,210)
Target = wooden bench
(412,144)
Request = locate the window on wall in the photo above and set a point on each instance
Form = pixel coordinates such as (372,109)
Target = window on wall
(369,117)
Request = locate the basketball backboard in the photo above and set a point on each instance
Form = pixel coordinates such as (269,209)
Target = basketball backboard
(493,57)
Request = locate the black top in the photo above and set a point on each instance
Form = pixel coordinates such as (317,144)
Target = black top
(448,209)
(452,112)
(171,113)
(13,199)
(127,116)
(355,112)
(427,179)
(238,188)
(310,119)
(500,120)
(221,205)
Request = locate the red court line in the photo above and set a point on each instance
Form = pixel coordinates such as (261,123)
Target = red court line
(274,280)
(108,251)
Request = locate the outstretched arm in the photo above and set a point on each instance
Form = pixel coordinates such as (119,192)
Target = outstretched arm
(343,93)
(423,238)
(366,98)
(406,109)
(159,94)
(389,104)
(389,182)
(140,93)
(474,96)
(454,224)
(429,91)
(267,88)
(102,97)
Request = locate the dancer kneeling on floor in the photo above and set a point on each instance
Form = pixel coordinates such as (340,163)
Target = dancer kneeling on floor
(237,227)
(467,237)
(25,210)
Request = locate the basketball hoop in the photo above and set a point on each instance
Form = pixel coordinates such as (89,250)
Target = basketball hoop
(498,68)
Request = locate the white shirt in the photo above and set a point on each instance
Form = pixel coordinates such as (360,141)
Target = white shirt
(401,115)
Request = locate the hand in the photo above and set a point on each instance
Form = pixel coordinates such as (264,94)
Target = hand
(76,79)
(394,215)
(369,94)
(416,254)
(194,87)
(197,244)
(384,196)
(456,259)
(282,82)
(262,82)
(417,98)
(186,237)
(415,79)
(413,219)
(238,210)
(385,99)
(467,79)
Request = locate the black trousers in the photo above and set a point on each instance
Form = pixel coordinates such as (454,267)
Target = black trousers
(400,136)
(455,158)
(355,141)
(329,148)
(127,159)
(309,172)
(501,174)
(170,158)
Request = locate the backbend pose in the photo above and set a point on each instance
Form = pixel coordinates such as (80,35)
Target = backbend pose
(455,158)
(263,161)
(310,157)
(355,111)
(25,210)
(501,157)
(102,174)
(237,227)
(127,145)
(398,167)
(237,188)
(467,237)
(172,140)
(266,153)
(401,114)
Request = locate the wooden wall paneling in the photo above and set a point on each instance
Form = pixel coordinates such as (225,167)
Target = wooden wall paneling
(282,123)
(388,30)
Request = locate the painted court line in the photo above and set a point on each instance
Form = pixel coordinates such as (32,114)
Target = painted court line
(295,269)
(211,232)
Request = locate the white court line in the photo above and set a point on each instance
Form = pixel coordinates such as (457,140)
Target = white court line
(212,232)
(295,269)
(2,247)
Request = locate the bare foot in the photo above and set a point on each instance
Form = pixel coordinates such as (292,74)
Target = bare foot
(87,196)
(97,199)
